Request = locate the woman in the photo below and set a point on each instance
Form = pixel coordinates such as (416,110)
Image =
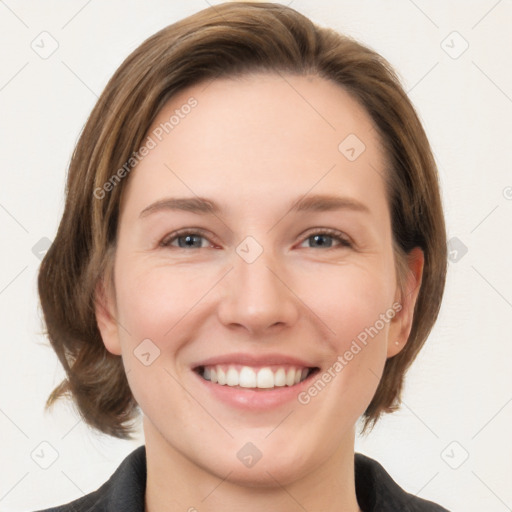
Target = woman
(185,279)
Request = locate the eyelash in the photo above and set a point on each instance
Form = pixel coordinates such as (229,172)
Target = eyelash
(332,233)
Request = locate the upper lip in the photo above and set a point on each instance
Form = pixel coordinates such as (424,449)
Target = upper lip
(254,360)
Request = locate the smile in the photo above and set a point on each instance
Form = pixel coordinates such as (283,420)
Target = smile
(266,377)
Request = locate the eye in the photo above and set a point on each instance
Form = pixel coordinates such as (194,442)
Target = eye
(186,239)
(322,238)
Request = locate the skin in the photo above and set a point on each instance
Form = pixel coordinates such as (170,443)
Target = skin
(254,145)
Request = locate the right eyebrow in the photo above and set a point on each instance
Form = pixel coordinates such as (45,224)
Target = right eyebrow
(197,205)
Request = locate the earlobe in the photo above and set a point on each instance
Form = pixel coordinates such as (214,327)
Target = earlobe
(402,322)
(107,324)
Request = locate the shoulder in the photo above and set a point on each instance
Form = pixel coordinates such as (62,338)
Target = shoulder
(124,490)
(377,491)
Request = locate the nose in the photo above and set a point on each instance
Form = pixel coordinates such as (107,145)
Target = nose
(258,295)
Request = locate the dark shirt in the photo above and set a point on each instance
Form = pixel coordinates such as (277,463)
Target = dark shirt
(124,491)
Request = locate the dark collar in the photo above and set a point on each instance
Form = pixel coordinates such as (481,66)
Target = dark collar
(376,491)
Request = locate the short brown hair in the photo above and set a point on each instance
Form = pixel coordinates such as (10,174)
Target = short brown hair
(223,41)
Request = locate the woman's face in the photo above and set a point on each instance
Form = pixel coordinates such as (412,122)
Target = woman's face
(255,288)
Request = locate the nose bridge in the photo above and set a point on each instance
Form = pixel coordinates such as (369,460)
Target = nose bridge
(257,296)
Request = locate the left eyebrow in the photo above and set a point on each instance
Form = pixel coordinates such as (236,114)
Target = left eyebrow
(202,206)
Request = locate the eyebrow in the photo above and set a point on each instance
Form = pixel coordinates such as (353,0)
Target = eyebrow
(202,206)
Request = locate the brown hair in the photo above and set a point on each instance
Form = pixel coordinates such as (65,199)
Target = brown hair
(226,40)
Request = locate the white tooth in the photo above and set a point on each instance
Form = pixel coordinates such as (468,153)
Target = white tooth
(232,377)
(290,377)
(280,377)
(265,378)
(221,376)
(247,377)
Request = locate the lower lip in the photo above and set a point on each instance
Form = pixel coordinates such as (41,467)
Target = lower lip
(252,399)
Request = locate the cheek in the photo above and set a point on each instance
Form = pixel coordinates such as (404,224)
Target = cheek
(153,299)
(356,304)
(351,300)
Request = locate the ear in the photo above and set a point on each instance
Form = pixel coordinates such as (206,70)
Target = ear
(401,325)
(104,308)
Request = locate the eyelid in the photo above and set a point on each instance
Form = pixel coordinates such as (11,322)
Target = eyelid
(345,241)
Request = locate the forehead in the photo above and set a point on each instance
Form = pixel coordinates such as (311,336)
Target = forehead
(263,137)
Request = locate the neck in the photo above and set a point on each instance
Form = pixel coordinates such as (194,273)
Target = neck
(175,482)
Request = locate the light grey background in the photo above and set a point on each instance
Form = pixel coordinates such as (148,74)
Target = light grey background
(458,397)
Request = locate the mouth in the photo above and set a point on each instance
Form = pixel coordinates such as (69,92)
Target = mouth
(250,377)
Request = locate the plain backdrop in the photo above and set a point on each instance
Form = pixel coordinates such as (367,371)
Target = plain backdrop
(451,440)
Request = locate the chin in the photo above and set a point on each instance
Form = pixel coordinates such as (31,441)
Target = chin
(263,476)
(275,468)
